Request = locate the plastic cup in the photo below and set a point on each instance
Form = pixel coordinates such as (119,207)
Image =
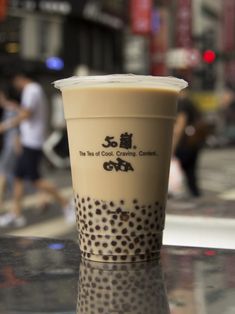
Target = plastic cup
(120,136)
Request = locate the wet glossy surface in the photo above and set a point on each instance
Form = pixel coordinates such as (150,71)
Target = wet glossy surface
(46,276)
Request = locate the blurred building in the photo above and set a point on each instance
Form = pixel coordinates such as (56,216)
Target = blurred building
(194,39)
(65,33)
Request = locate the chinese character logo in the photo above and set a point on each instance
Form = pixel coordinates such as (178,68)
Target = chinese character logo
(126,140)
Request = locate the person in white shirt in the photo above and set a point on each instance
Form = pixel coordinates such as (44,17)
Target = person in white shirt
(31,119)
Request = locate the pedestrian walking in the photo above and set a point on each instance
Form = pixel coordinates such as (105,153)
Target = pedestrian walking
(189,135)
(31,119)
(10,145)
(227,115)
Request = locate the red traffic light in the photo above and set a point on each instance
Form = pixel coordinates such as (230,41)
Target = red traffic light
(209,56)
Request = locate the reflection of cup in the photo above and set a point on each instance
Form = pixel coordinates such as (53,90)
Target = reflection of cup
(125,288)
(120,134)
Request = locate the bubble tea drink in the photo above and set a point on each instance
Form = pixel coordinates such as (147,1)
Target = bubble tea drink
(120,135)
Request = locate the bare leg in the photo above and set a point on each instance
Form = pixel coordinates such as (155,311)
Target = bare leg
(49,188)
(18,195)
(2,188)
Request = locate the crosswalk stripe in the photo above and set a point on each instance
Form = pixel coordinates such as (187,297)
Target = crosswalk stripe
(228,195)
(52,228)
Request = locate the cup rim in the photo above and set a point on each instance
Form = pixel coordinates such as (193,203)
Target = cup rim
(123,80)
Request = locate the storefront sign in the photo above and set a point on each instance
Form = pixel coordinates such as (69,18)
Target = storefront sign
(3,9)
(183,23)
(228,25)
(141,16)
(159,45)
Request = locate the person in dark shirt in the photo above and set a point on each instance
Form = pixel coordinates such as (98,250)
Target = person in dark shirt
(227,114)
(187,141)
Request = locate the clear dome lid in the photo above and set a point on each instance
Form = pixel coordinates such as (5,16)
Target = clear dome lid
(123,80)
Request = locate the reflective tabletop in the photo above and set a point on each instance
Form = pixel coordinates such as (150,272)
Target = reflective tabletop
(47,276)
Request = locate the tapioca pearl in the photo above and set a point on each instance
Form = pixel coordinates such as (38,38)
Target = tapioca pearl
(93,237)
(113,243)
(122,202)
(91,230)
(150,214)
(80,213)
(89,242)
(114,257)
(118,210)
(143,211)
(90,223)
(111,204)
(97,243)
(133,234)
(98,211)
(113,230)
(146,221)
(97,227)
(137,251)
(131,224)
(114,217)
(105,257)
(138,219)
(152,226)
(124,216)
(133,215)
(112,222)
(120,224)
(105,280)
(107,236)
(106,228)
(104,206)
(90,215)
(83,200)
(136,240)
(126,251)
(90,206)
(118,237)
(131,246)
(135,201)
(97,203)
(104,219)
(124,231)
(118,250)
(137,207)
(139,227)
(133,258)
(123,243)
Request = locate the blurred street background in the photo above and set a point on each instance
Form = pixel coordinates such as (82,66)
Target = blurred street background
(191,39)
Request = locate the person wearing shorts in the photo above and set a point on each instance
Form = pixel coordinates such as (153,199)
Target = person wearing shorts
(31,118)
